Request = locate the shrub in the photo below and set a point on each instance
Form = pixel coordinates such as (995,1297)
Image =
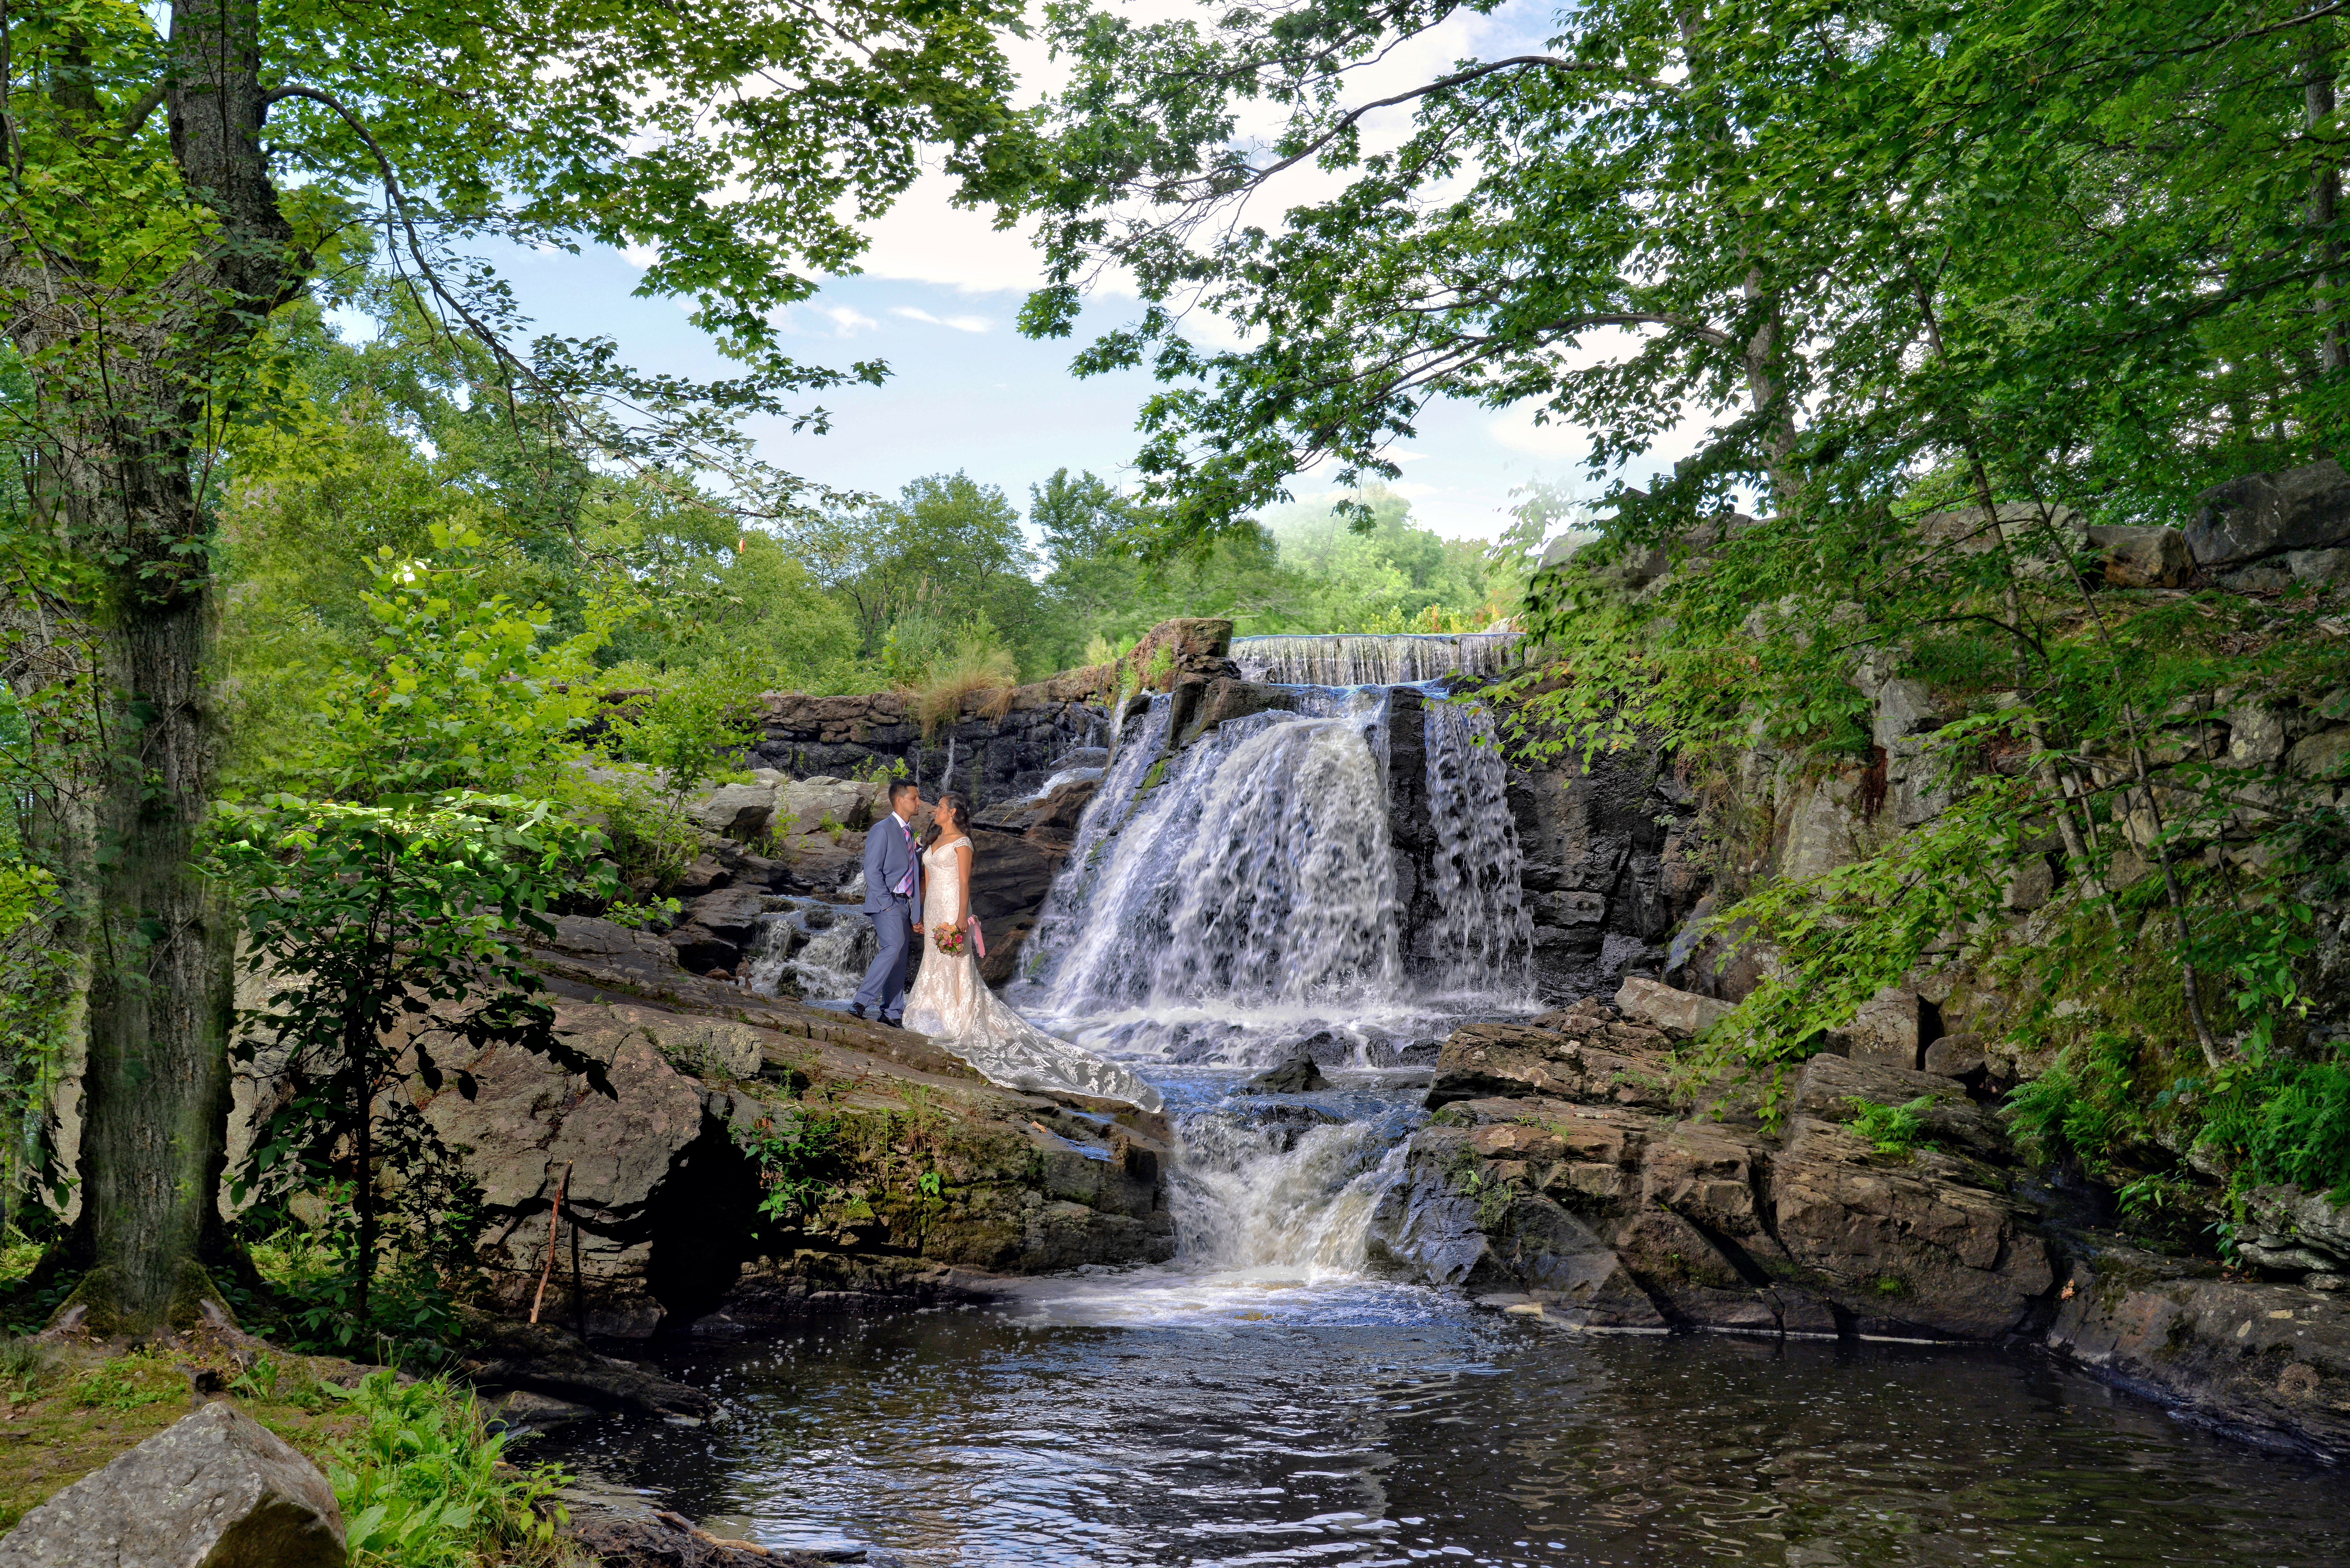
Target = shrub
(2285,1121)
(423,1486)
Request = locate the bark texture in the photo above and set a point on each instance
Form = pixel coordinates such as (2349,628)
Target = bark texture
(133,369)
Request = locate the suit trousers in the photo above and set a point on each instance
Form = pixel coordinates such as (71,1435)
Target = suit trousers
(884,990)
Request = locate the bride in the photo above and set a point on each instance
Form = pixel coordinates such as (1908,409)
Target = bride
(952,1005)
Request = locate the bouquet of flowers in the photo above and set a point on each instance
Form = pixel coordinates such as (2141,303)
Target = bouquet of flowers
(949,940)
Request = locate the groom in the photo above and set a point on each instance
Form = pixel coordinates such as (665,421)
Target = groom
(893,901)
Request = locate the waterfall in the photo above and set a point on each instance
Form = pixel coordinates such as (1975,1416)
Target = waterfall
(1278,885)
(1255,1191)
(1348,660)
(1481,941)
(1250,873)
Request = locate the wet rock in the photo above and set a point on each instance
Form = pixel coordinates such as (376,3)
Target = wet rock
(1443,1224)
(1050,818)
(1608,830)
(1679,1013)
(216,1488)
(1298,1075)
(2271,1361)
(521,1410)
(1229,698)
(544,1360)
(2264,514)
(714,928)
(661,1539)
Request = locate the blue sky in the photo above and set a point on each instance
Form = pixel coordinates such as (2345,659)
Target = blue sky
(937,299)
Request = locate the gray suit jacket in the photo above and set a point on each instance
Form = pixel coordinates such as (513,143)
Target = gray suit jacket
(886,859)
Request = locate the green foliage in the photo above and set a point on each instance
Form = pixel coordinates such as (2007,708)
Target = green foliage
(367,918)
(800,1158)
(943,562)
(115,1386)
(25,1363)
(424,1485)
(685,734)
(455,688)
(1892,1129)
(2285,1121)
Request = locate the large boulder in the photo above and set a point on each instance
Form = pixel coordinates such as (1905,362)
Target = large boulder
(2261,515)
(1904,1243)
(2143,557)
(1599,1061)
(215,1490)
(1681,1013)
(1229,698)
(737,811)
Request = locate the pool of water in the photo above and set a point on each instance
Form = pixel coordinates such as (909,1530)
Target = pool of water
(1262,1417)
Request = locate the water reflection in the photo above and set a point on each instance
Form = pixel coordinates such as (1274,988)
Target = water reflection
(1390,1427)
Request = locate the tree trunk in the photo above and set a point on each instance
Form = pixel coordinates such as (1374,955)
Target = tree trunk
(130,372)
(155,1082)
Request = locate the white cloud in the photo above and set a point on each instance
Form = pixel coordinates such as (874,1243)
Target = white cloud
(960,323)
(1516,430)
(925,238)
(846,322)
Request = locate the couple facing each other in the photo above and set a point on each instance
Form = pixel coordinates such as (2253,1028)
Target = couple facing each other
(915,889)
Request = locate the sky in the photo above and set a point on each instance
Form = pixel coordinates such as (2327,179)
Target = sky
(937,298)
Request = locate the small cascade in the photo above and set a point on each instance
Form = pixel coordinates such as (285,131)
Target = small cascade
(1481,941)
(1349,660)
(1063,918)
(1282,1190)
(820,948)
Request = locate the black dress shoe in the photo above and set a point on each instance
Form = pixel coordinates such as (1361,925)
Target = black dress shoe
(857,1010)
(893,1023)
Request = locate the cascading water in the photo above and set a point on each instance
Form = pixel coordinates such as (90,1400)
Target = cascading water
(1350,659)
(822,950)
(1481,942)
(1282,1189)
(1245,896)
(1232,897)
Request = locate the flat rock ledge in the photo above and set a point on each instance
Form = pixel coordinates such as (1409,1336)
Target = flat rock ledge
(1560,1181)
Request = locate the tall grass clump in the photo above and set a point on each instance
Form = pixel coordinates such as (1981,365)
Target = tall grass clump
(974,667)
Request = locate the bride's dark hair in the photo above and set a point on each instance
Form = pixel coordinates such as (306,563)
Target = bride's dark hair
(961,817)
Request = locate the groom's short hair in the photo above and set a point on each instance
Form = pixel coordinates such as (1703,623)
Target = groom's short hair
(902,787)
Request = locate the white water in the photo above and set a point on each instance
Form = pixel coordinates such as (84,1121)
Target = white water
(1231,899)
(822,961)
(1273,1203)
(1482,943)
(1348,660)
(1236,900)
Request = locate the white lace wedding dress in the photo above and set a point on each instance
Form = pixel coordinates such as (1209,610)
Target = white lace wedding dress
(952,1005)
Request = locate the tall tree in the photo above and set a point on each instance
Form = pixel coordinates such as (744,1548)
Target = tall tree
(146,252)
